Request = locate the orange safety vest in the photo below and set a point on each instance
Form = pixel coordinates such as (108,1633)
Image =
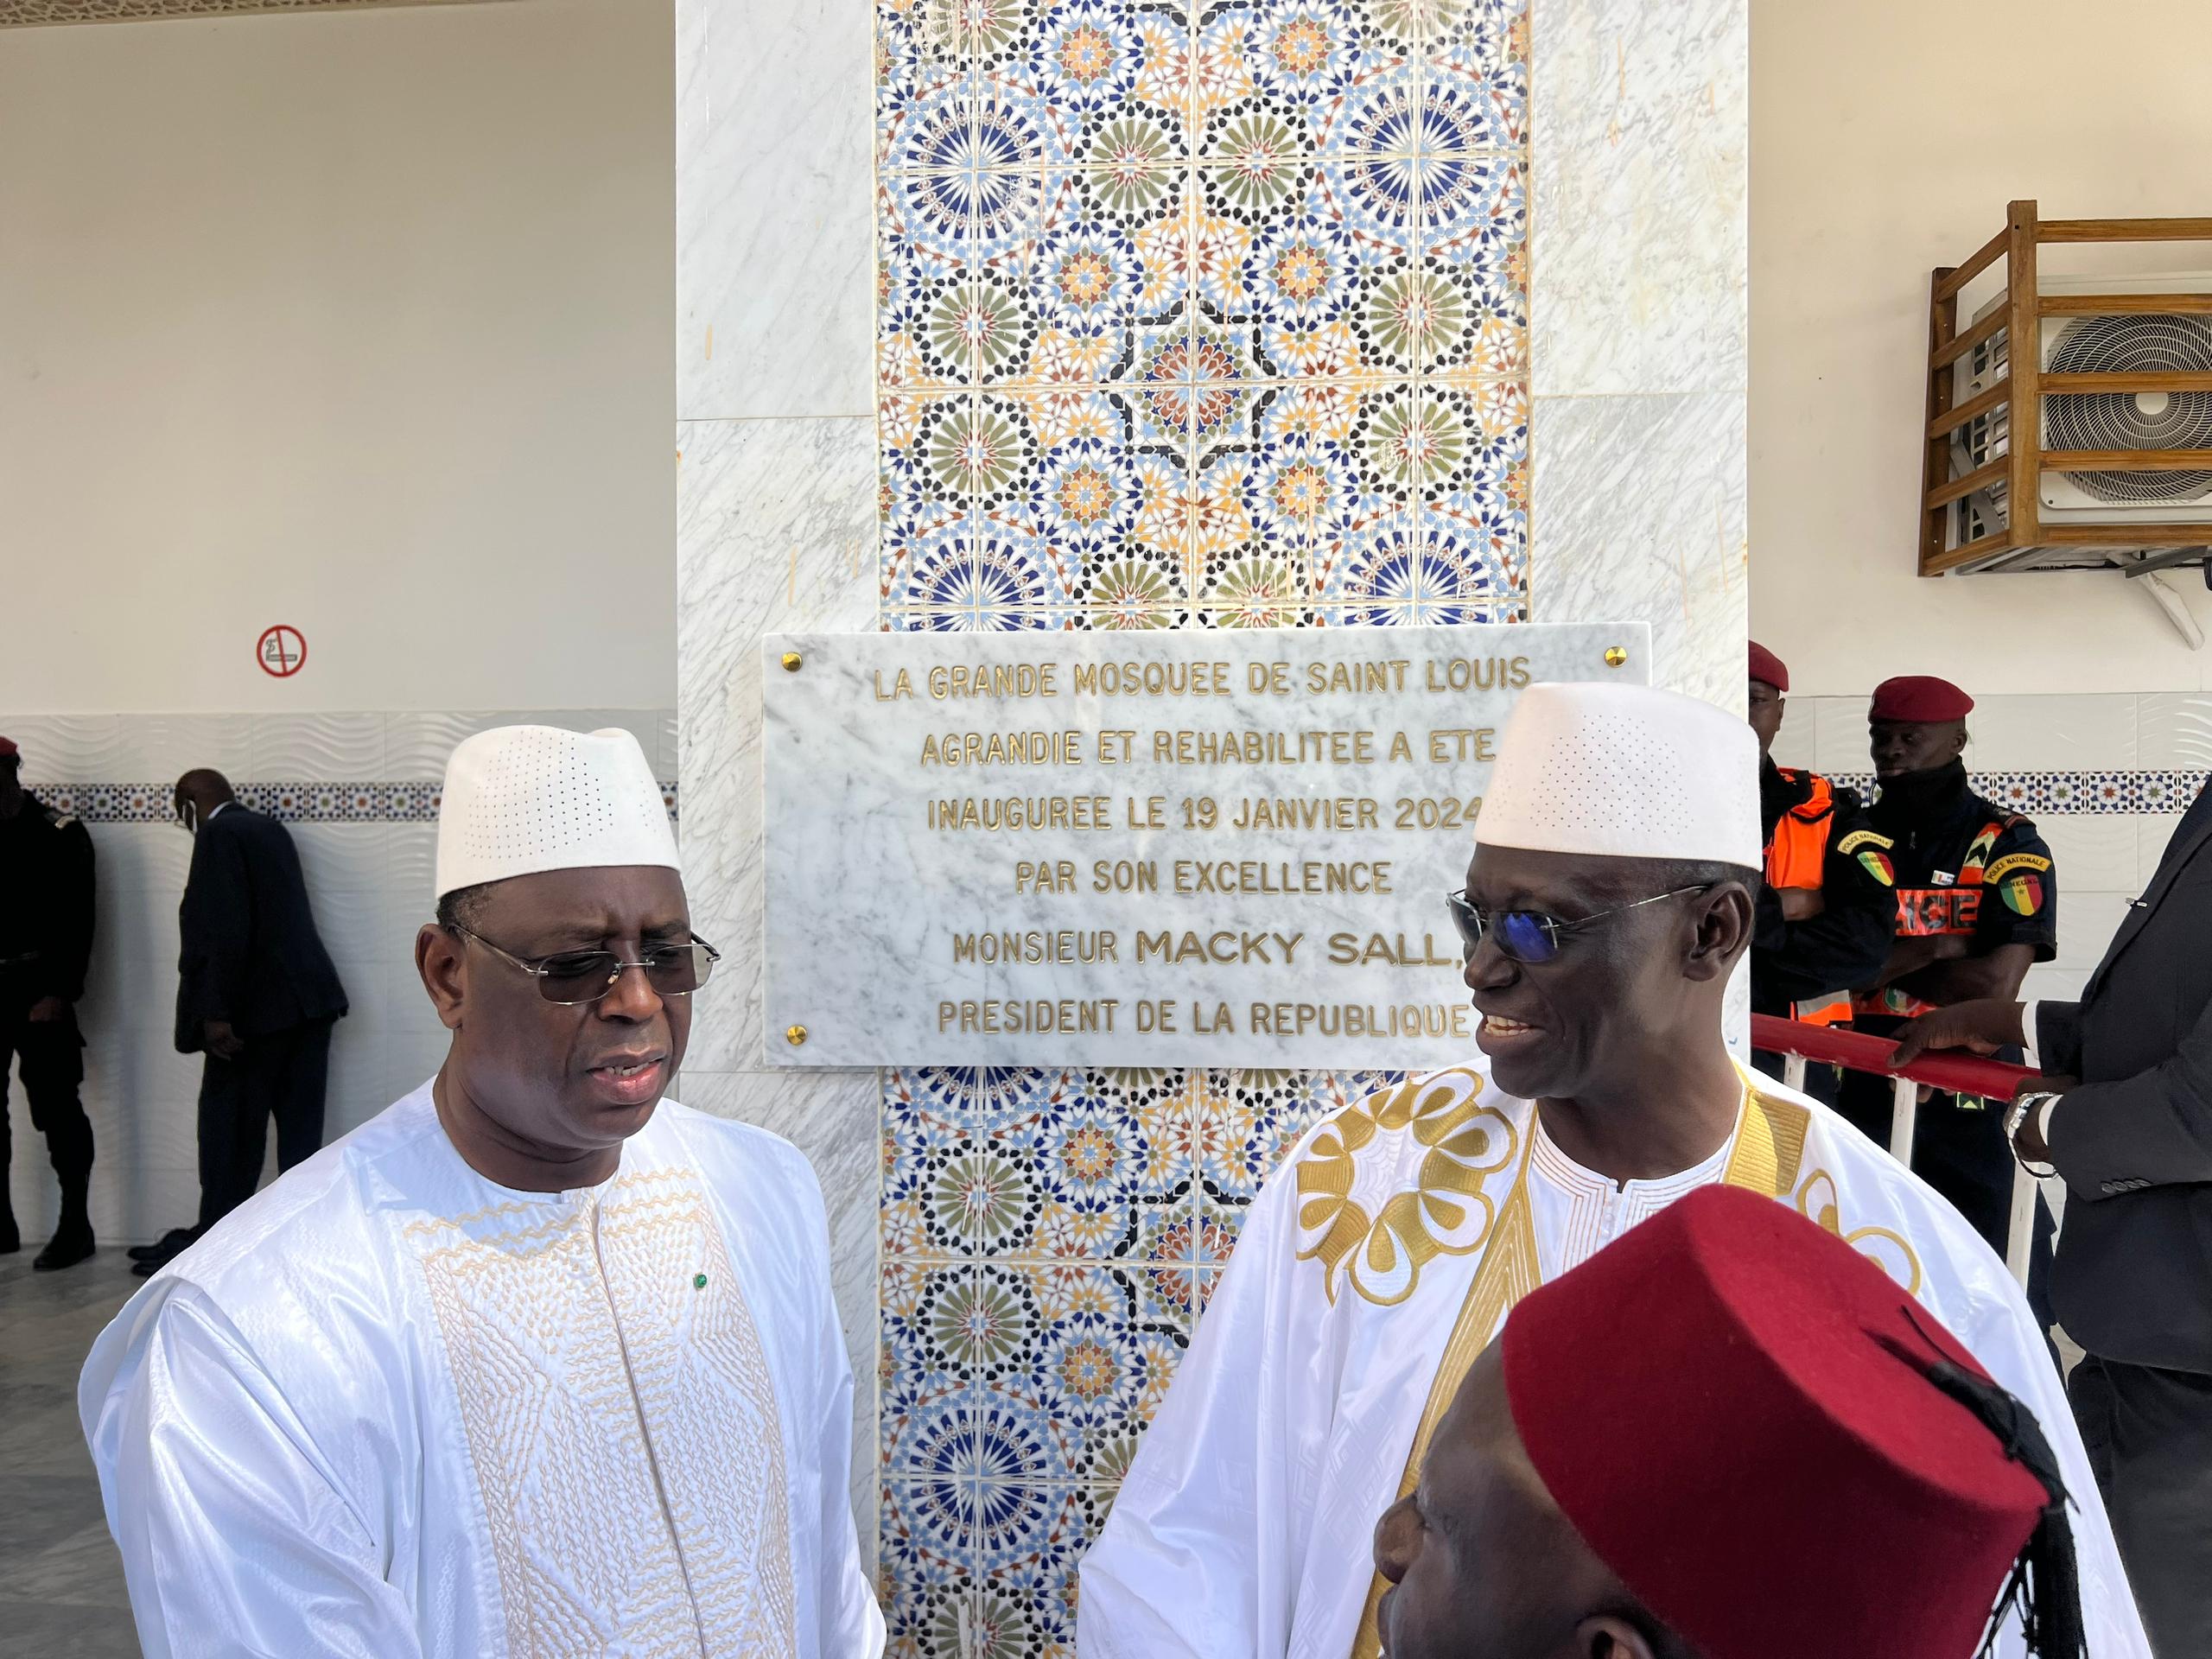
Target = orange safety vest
(1797,857)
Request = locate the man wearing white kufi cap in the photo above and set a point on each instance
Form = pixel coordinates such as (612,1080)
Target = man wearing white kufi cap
(533,1363)
(1608,900)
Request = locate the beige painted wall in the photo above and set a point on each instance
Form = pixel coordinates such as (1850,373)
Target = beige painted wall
(1887,136)
(360,321)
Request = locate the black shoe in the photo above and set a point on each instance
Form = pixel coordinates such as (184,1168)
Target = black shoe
(69,1247)
(10,1240)
(169,1244)
(147,1266)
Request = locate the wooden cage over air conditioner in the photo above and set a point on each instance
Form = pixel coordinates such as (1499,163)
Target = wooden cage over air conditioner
(1987,469)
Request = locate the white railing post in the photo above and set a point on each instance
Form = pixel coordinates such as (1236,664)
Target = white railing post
(1792,1072)
(1905,1106)
(2020,1231)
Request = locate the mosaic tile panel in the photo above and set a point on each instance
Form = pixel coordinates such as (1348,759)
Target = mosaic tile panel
(1049,1238)
(1205,315)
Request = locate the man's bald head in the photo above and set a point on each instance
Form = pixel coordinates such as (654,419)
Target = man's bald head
(203,789)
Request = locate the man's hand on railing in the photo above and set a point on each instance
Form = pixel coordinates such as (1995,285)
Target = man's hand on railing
(1981,1027)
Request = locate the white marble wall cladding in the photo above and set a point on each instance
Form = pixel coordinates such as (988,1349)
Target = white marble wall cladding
(1637,505)
(1640,114)
(775,262)
(775,530)
(369,875)
(2105,776)
(775,533)
(1637,326)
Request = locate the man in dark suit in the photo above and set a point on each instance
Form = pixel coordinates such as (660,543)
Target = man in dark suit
(46,944)
(257,994)
(2123,1113)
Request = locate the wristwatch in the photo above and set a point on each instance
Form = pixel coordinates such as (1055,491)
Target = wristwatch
(2023,1107)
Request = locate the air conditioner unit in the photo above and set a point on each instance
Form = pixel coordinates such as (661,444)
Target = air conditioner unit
(2119,343)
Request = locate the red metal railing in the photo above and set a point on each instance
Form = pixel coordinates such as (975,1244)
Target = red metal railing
(1962,1074)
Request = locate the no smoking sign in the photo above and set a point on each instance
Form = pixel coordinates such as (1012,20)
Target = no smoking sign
(281,651)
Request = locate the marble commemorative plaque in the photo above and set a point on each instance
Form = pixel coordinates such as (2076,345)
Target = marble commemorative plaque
(1226,849)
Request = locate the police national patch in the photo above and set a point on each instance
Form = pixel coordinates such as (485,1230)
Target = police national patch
(1873,854)
(2023,895)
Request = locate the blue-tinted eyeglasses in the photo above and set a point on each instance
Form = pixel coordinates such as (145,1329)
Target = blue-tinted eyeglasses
(1530,936)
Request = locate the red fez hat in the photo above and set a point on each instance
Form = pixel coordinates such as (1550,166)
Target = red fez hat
(8,749)
(1919,698)
(1736,1411)
(1769,668)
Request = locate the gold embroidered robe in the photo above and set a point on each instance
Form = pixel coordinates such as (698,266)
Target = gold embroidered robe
(1377,1263)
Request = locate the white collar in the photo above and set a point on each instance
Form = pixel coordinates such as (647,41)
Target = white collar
(1563,1172)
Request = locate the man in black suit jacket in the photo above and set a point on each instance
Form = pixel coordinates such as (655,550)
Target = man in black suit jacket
(257,994)
(2124,1112)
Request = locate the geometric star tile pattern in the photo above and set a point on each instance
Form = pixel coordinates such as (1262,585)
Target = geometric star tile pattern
(1187,315)
(1210,315)
(1049,1238)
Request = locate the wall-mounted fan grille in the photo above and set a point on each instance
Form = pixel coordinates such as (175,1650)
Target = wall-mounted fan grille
(2069,412)
(2134,420)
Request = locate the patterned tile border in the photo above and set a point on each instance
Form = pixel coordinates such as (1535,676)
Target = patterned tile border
(2058,794)
(304,803)
(2049,793)
(26,14)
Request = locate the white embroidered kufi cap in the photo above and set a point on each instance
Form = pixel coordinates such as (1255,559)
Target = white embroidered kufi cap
(1624,771)
(519,800)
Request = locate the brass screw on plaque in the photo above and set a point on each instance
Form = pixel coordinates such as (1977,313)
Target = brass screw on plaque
(1614,656)
(796,1036)
(791,660)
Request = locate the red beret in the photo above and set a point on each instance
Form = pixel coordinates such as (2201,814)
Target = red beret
(1723,1393)
(8,749)
(1919,698)
(1769,668)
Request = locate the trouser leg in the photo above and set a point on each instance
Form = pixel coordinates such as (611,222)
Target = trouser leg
(262,1068)
(52,1065)
(10,1239)
(2149,1434)
(221,1106)
(301,1092)
(1960,1150)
